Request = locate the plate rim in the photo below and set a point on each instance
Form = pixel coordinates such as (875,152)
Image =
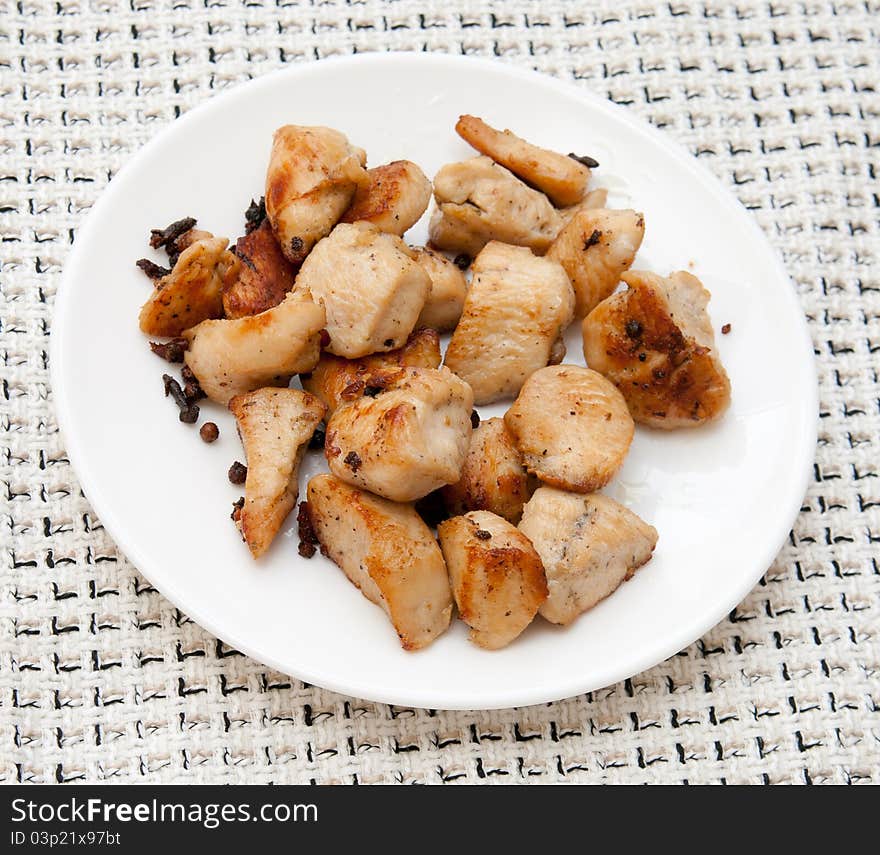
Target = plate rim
(513,697)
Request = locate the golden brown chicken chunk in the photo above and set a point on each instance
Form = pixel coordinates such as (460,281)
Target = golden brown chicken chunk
(588,546)
(479,201)
(493,477)
(497,577)
(448,290)
(594,199)
(561,177)
(275,426)
(407,441)
(388,552)
(515,313)
(312,177)
(595,248)
(370,286)
(263,277)
(571,426)
(230,357)
(191,292)
(337,381)
(393,197)
(655,342)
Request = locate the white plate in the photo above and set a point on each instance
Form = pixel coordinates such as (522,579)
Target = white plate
(723,498)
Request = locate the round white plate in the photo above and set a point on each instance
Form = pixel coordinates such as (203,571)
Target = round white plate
(722,498)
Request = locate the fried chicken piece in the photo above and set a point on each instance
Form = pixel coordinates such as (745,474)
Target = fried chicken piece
(407,441)
(275,426)
(514,316)
(262,279)
(493,477)
(595,248)
(597,198)
(312,177)
(655,342)
(370,286)
(588,545)
(561,177)
(479,201)
(448,290)
(393,197)
(191,292)
(388,553)
(230,357)
(571,426)
(337,381)
(497,577)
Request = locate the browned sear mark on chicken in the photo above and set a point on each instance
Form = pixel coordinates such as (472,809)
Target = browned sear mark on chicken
(308,540)
(170,351)
(168,235)
(264,277)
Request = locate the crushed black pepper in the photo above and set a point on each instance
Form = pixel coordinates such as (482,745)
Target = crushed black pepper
(725,329)
(170,351)
(482,534)
(189,412)
(237,473)
(643,357)
(254,215)
(353,461)
(168,235)
(593,239)
(308,540)
(192,389)
(585,159)
(237,505)
(153,270)
(296,244)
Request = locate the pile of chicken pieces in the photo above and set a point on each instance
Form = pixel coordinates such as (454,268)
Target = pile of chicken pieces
(323,286)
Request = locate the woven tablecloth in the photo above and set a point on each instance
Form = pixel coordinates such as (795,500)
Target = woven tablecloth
(101,679)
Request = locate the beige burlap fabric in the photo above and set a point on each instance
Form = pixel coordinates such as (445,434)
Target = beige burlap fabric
(101,679)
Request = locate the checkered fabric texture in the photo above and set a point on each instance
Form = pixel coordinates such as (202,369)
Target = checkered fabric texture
(103,680)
